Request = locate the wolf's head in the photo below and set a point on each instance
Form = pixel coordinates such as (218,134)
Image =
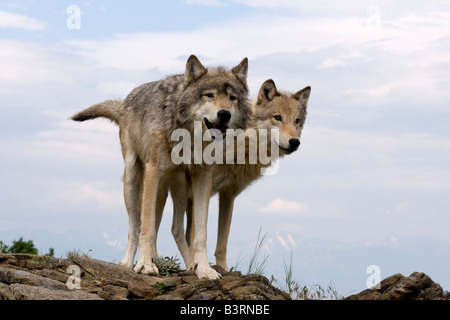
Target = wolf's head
(217,97)
(283,111)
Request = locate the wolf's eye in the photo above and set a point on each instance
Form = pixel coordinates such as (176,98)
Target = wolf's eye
(209,95)
(232,98)
(297,121)
(277,117)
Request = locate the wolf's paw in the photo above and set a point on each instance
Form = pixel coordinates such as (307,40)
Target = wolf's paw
(147,268)
(207,272)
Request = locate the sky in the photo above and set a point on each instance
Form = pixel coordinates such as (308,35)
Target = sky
(369,186)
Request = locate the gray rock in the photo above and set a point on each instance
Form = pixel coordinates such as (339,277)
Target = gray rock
(418,286)
(25,276)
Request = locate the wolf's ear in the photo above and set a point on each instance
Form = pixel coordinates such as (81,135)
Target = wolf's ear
(241,70)
(303,95)
(268,91)
(194,69)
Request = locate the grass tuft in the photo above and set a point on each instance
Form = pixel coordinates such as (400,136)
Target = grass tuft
(166,266)
(256,266)
(78,253)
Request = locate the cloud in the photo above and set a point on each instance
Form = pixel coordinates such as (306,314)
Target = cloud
(82,194)
(282,242)
(281,206)
(95,141)
(332,63)
(25,62)
(272,4)
(120,243)
(346,7)
(227,41)
(288,244)
(371,152)
(292,241)
(13,20)
(208,3)
(340,54)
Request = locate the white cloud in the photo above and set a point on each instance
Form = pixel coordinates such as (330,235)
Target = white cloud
(367,9)
(292,241)
(393,240)
(77,193)
(287,245)
(208,3)
(282,242)
(116,88)
(20,21)
(227,42)
(332,63)
(267,248)
(272,4)
(27,63)
(400,56)
(119,244)
(69,140)
(282,206)
(48,78)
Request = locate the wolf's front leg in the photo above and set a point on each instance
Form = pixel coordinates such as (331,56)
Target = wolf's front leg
(147,239)
(201,192)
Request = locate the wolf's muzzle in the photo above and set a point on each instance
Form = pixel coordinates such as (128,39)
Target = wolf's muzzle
(293,146)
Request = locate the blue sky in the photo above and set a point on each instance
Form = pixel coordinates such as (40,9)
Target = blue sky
(370,184)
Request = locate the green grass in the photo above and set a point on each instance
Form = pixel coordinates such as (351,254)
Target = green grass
(77,253)
(257,264)
(167,265)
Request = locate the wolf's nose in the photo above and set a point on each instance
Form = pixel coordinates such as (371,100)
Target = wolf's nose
(294,143)
(224,116)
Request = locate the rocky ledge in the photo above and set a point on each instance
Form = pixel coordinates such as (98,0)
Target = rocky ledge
(36,277)
(418,286)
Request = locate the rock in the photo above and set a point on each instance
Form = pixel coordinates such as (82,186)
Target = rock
(140,289)
(27,292)
(35,277)
(418,286)
(12,276)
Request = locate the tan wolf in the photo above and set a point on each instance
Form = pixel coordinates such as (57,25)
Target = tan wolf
(272,110)
(214,97)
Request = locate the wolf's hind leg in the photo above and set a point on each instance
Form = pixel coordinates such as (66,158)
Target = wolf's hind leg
(132,181)
(163,191)
(201,192)
(147,239)
(179,193)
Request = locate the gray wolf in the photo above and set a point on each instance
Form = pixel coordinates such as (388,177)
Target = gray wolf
(286,113)
(217,98)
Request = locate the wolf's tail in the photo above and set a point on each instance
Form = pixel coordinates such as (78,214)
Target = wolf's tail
(108,109)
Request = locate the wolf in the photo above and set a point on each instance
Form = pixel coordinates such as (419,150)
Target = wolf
(276,110)
(215,97)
